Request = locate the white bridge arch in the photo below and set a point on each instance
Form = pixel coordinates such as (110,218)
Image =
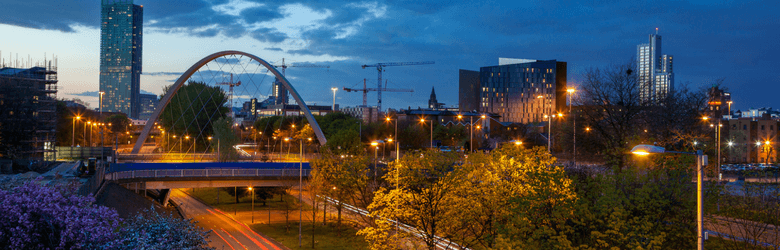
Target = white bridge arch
(186,76)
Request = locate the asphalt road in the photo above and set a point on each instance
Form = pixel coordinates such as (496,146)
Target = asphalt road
(227,233)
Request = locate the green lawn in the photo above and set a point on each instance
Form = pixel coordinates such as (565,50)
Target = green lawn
(325,237)
(226,202)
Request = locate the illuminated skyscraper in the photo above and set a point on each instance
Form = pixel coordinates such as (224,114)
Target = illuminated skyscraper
(120,56)
(656,78)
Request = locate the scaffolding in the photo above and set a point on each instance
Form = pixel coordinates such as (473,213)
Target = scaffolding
(33,93)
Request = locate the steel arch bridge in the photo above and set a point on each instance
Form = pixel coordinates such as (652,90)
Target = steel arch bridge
(163,103)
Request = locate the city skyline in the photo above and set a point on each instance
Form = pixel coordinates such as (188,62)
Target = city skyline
(721,40)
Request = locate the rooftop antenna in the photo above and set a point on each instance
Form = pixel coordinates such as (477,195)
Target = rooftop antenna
(656,30)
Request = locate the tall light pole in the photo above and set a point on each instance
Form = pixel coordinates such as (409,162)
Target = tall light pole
(73,138)
(422,120)
(253,204)
(334,99)
(471,130)
(574,128)
(397,144)
(549,132)
(701,161)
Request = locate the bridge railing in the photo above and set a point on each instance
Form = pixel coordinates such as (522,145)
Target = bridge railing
(182,173)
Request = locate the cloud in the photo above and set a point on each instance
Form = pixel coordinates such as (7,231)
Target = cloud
(163,73)
(87,93)
(274,49)
(268,35)
(260,14)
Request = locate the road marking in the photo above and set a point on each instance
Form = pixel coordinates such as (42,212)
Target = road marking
(239,230)
(247,228)
(234,238)
(223,239)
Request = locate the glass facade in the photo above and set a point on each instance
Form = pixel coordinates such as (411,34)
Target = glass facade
(656,78)
(523,92)
(120,56)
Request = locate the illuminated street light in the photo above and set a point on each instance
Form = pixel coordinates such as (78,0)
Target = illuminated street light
(701,161)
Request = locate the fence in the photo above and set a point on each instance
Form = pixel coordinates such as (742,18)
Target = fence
(182,173)
(93,183)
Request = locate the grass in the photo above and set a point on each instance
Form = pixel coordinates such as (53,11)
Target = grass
(720,243)
(325,237)
(228,203)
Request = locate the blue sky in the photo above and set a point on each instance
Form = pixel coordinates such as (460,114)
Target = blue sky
(733,40)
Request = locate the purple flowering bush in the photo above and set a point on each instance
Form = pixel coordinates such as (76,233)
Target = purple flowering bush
(37,216)
(152,230)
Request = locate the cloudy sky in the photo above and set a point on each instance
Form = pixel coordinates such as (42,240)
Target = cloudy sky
(734,40)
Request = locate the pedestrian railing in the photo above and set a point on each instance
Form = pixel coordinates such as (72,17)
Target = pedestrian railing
(206,173)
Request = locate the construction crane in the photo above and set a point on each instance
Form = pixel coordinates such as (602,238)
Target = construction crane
(284,73)
(231,84)
(379,67)
(366,90)
(285,66)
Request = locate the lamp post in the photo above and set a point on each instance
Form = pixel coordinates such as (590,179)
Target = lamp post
(375,144)
(422,120)
(701,161)
(549,132)
(253,204)
(471,131)
(73,137)
(574,128)
(397,144)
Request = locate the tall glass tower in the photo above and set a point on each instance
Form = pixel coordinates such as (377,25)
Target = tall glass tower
(120,56)
(656,78)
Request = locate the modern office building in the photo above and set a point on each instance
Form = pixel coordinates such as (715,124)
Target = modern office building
(120,56)
(519,90)
(656,78)
(28,112)
(148,103)
(280,93)
(468,96)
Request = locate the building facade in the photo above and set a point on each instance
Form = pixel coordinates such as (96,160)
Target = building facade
(522,90)
(147,103)
(28,113)
(120,56)
(750,140)
(468,94)
(656,78)
(280,93)
(719,103)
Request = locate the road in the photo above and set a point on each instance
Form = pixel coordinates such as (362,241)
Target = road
(227,232)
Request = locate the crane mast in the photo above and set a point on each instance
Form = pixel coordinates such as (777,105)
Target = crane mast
(379,67)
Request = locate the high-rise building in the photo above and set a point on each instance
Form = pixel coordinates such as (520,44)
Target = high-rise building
(521,90)
(280,93)
(656,78)
(148,103)
(120,56)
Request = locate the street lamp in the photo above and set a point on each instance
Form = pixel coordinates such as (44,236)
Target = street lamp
(471,134)
(300,191)
(549,131)
(73,138)
(375,144)
(397,145)
(701,161)
(574,128)
(422,120)
(253,204)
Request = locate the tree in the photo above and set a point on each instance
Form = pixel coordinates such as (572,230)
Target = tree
(225,138)
(421,199)
(192,111)
(346,178)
